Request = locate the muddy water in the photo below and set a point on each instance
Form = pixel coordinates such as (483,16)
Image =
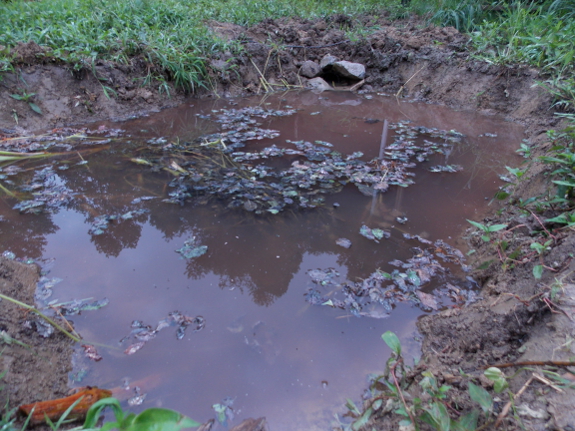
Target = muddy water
(263,345)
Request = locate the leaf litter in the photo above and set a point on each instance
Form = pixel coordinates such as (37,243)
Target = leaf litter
(376,295)
(218,166)
(142,333)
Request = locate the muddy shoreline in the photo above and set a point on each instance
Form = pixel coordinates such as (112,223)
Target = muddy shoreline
(406,59)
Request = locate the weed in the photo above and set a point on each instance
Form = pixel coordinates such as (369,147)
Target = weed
(171,35)
(27,97)
(148,420)
(434,407)
(487,229)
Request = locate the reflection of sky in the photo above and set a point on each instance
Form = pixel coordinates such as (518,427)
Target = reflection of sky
(262,344)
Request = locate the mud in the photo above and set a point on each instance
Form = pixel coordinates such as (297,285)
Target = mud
(409,60)
(36,367)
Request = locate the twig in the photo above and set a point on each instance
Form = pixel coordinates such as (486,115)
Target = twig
(528,363)
(399,390)
(550,303)
(406,82)
(544,228)
(72,330)
(263,79)
(547,382)
(513,398)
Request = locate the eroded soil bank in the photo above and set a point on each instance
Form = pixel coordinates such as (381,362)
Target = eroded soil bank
(513,322)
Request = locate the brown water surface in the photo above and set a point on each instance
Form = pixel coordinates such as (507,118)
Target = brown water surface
(263,345)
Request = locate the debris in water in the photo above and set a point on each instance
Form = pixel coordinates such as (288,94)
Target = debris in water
(192,249)
(374,234)
(134,348)
(224,411)
(343,242)
(217,166)
(49,191)
(142,333)
(138,397)
(8,255)
(77,306)
(401,220)
(446,168)
(91,352)
(376,295)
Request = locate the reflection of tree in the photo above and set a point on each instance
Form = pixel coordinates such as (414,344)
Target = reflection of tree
(258,255)
(24,234)
(117,237)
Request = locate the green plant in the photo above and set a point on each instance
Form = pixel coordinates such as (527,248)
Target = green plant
(487,229)
(540,249)
(434,409)
(524,150)
(26,97)
(153,419)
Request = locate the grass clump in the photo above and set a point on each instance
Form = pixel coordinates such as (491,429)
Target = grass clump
(172,36)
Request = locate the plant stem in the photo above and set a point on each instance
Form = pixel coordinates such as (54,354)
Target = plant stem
(399,390)
(42,315)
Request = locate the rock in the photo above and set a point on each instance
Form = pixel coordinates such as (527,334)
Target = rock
(348,69)
(327,61)
(309,69)
(318,85)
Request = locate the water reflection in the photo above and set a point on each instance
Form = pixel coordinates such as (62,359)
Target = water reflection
(263,344)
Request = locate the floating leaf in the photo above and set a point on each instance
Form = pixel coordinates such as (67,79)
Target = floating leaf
(343,242)
(192,249)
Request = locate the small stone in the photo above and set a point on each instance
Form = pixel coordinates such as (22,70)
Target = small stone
(327,61)
(309,69)
(318,85)
(348,69)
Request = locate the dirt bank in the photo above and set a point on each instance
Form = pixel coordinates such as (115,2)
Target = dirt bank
(520,318)
(36,367)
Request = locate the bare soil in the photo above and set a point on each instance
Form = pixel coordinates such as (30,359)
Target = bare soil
(36,367)
(515,320)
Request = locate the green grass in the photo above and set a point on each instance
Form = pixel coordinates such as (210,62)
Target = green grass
(171,35)
(538,33)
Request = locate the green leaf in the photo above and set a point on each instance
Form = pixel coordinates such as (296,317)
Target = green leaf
(493,373)
(467,422)
(564,183)
(537,271)
(480,396)
(501,195)
(158,419)
(498,378)
(479,225)
(35,108)
(496,227)
(352,407)
(392,341)
(437,417)
(16,96)
(363,420)
(96,409)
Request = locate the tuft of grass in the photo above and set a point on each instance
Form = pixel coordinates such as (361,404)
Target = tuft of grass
(172,36)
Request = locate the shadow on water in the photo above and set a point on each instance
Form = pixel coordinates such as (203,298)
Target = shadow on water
(263,345)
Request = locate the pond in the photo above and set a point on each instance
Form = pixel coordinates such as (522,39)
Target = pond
(270,319)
